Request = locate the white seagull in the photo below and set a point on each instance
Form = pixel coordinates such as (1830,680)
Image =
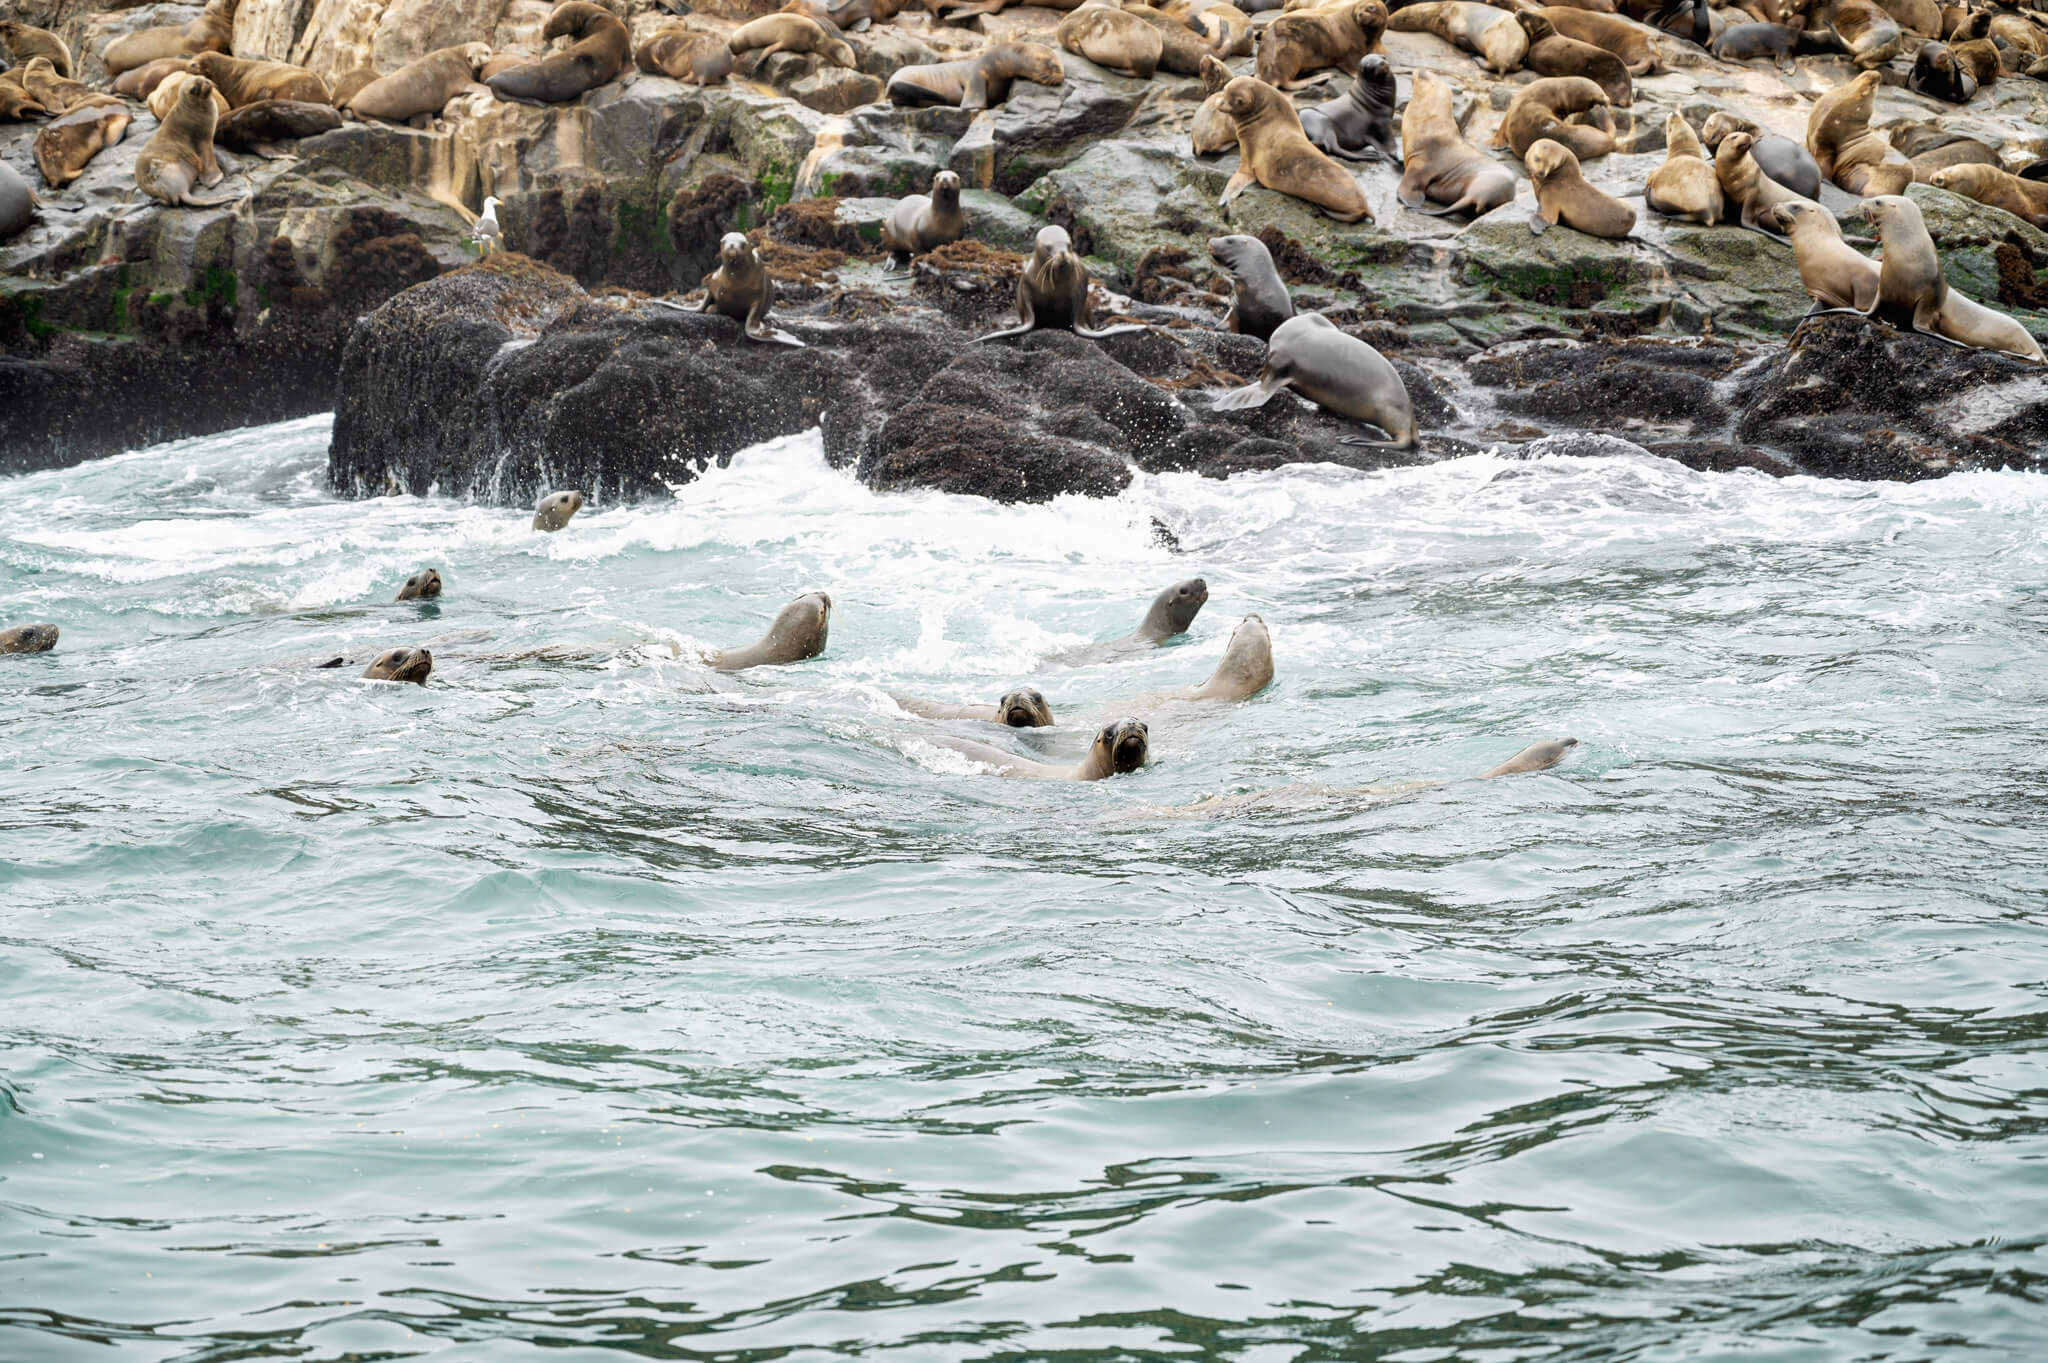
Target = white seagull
(487,234)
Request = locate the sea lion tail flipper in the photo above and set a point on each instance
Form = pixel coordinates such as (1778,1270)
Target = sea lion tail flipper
(1251,395)
(1120,329)
(1018,330)
(776,335)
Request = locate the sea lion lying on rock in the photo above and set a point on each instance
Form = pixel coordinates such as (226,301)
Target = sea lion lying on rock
(1308,40)
(1493,35)
(212,31)
(421,87)
(792,33)
(1539,110)
(17,105)
(245,82)
(64,146)
(601,49)
(1113,39)
(24,43)
(138,84)
(1938,75)
(2026,199)
(981,83)
(1552,54)
(799,632)
(686,55)
(1335,371)
(164,98)
(18,203)
(265,126)
(1628,41)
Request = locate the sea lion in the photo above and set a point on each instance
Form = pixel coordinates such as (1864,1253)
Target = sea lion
(1105,34)
(64,145)
(554,511)
(1747,190)
(1023,708)
(851,16)
(1970,322)
(28,638)
(401,665)
(1170,614)
(1181,48)
(798,633)
(601,49)
(1564,196)
(1910,285)
(138,83)
(351,83)
(1229,30)
(18,202)
(423,86)
(1869,35)
(212,31)
(1357,125)
(1919,17)
(1274,152)
(1258,298)
(1246,667)
(1959,151)
(245,82)
(1628,41)
(1938,75)
(686,55)
(423,585)
(924,222)
(1118,748)
(17,105)
(1778,159)
(1538,112)
(792,33)
(2026,199)
(1052,292)
(180,156)
(1442,168)
(1493,35)
(1213,131)
(1309,40)
(1338,373)
(23,43)
(54,92)
(263,127)
(1834,274)
(1535,757)
(739,287)
(1846,150)
(1747,42)
(981,83)
(1685,186)
(164,98)
(1552,54)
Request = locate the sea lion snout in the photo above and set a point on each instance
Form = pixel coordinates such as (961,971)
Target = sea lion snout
(1129,741)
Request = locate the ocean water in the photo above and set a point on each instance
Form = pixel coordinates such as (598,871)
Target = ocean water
(585,1003)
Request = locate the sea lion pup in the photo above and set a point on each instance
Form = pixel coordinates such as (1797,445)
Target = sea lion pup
(1357,125)
(180,156)
(28,638)
(23,43)
(601,49)
(1338,373)
(1833,273)
(164,98)
(1106,35)
(138,84)
(1938,75)
(1553,54)
(399,665)
(65,146)
(554,511)
(1746,42)
(1630,42)
(2026,199)
(1564,196)
(1869,35)
(1274,152)
(1442,168)
(212,31)
(1747,190)
(1052,293)
(792,33)
(1258,298)
(1685,186)
(1118,748)
(981,83)
(423,86)
(424,585)
(739,287)
(1538,112)
(1023,708)
(924,222)
(1308,40)
(245,82)
(1213,131)
(1846,150)
(798,633)
(1778,158)
(1492,35)
(18,202)
(265,126)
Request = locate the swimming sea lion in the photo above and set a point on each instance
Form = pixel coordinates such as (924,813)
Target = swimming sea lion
(1170,614)
(1052,293)
(2026,199)
(263,127)
(1357,125)
(1213,130)
(424,585)
(1442,168)
(1630,42)
(1246,667)
(798,633)
(1938,75)
(17,202)
(28,638)
(138,83)
(553,511)
(1563,195)
(1258,299)
(1335,371)
(1779,159)
(421,87)
(1118,748)
(923,222)
(65,145)
(1274,152)
(601,49)
(180,156)
(981,83)
(1685,186)
(1747,190)
(212,31)
(739,288)
(1846,150)
(400,665)
(792,33)
(1103,33)
(1023,708)
(1553,54)
(1491,34)
(1538,112)
(1535,757)
(1309,40)
(23,43)
(164,98)
(1834,274)
(1746,42)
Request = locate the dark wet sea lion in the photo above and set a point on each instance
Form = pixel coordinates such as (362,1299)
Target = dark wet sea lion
(1563,195)
(400,665)
(554,511)
(17,202)
(1274,152)
(23,42)
(601,50)
(1023,708)
(1441,167)
(424,585)
(980,83)
(923,222)
(1747,42)
(1938,75)
(246,82)
(799,632)
(1357,125)
(1778,159)
(180,156)
(1118,748)
(423,86)
(263,127)
(1052,292)
(65,145)
(28,639)
(1259,300)
(1335,371)
(739,288)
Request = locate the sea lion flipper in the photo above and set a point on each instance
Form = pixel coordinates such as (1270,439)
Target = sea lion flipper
(1121,328)
(1241,180)
(1251,395)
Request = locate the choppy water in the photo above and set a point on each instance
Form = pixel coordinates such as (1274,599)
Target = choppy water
(594,1004)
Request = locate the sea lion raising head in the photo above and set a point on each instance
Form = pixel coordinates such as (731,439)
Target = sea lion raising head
(180,156)
(1023,708)
(401,665)
(739,288)
(424,585)
(553,511)
(1357,125)
(1245,669)
(1052,292)
(1117,748)
(1172,611)
(924,222)
(1259,300)
(28,639)
(799,632)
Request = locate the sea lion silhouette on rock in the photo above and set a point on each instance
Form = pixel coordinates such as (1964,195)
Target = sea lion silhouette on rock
(1052,292)
(601,50)
(1335,371)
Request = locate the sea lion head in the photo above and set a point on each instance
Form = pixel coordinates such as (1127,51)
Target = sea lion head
(1037,63)
(553,511)
(1243,96)
(477,55)
(401,665)
(1886,210)
(1050,244)
(30,639)
(840,53)
(1248,658)
(1968,180)
(801,627)
(1718,126)
(734,249)
(1734,147)
(1237,252)
(196,94)
(1174,609)
(946,189)
(423,585)
(1215,75)
(1546,158)
(1024,708)
(1536,26)
(1125,744)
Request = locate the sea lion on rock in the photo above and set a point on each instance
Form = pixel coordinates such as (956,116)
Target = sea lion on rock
(1628,41)
(2026,199)
(17,202)
(1912,292)
(212,31)
(1442,168)
(164,98)
(17,105)
(685,55)
(1938,75)
(739,288)
(923,222)
(400,665)
(1258,301)
(1309,40)
(245,82)
(1958,151)
(601,49)
(792,33)
(981,83)
(351,83)
(1745,187)
(28,638)
(180,156)
(64,146)
(1553,54)
(1023,708)
(1564,196)
(24,43)
(1181,48)
(421,87)
(1338,373)
(1213,130)
(1846,150)
(1685,186)
(1493,35)
(799,632)
(1747,42)
(1966,320)
(1274,152)
(54,92)
(1779,159)
(263,127)
(1052,292)
(138,84)
(1869,35)
(1118,41)
(424,585)
(1357,125)
(1118,748)
(1834,274)
(1538,112)
(554,511)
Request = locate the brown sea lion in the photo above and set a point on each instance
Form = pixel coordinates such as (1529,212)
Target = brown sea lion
(1779,158)
(499,63)
(264,127)
(1246,667)
(1023,708)
(1312,39)
(28,639)
(1181,48)
(1564,196)
(1745,187)
(180,156)
(212,31)
(1258,296)
(350,83)
(1938,75)
(1961,151)
(1442,168)
(1965,320)
(1118,41)
(1277,154)
(423,585)
(23,43)
(1357,125)
(247,82)
(422,87)
(556,509)
(1846,150)
(1337,372)
(1910,285)
(669,49)
(1921,17)
(923,222)
(792,33)
(739,287)
(1978,59)
(64,145)
(799,632)
(1833,273)
(17,105)
(1867,33)
(982,83)
(1685,186)
(1539,109)
(1118,748)
(138,84)
(1213,131)
(1552,54)
(2026,199)
(54,92)
(1491,34)
(1052,292)
(601,50)
(401,665)
(164,98)
(1629,41)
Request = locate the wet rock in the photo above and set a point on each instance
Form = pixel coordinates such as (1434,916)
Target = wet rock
(1610,384)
